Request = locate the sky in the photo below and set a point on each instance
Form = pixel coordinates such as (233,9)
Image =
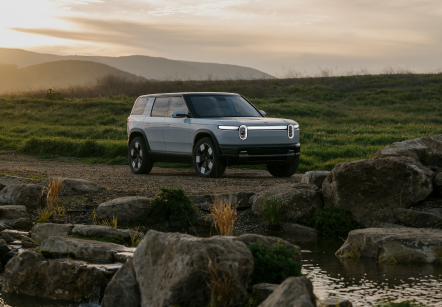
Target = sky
(280,37)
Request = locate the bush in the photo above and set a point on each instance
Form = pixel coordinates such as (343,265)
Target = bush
(333,222)
(173,205)
(389,303)
(272,210)
(51,95)
(273,265)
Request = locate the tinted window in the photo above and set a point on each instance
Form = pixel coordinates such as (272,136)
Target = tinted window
(160,107)
(139,106)
(222,106)
(175,104)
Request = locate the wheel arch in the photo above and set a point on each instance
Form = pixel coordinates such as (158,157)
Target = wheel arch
(202,134)
(135,133)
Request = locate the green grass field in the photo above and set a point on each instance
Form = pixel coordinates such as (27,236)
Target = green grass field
(341,118)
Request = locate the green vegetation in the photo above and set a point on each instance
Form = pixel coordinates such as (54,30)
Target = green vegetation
(333,222)
(173,205)
(341,118)
(51,95)
(354,253)
(412,303)
(272,210)
(273,265)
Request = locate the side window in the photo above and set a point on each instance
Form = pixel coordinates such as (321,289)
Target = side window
(160,107)
(139,106)
(175,104)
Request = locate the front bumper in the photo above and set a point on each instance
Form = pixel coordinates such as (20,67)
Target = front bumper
(259,154)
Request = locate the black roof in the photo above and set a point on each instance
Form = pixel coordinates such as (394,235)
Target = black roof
(189,93)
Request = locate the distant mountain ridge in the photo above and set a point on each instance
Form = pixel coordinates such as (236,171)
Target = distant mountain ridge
(144,66)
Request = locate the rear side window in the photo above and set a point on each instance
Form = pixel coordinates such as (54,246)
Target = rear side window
(175,104)
(139,106)
(160,107)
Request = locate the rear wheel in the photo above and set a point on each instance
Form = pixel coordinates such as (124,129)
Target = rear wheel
(138,160)
(283,170)
(206,160)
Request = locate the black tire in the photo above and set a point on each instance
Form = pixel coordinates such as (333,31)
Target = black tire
(283,170)
(138,160)
(206,161)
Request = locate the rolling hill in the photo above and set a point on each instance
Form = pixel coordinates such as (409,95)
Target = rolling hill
(145,66)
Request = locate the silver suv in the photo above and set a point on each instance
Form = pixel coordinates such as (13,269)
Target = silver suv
(210,131)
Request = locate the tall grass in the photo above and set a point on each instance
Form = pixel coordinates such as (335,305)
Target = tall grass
(224,216)
(52,193)
(272,209)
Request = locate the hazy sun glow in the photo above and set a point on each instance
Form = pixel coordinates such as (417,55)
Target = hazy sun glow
(267,35)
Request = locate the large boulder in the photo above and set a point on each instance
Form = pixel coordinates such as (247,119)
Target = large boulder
(263,291)
(301,201)
(32,274)
(74,187)
(371,189)
(29,195)
(15,217)
(315,177)
(98,231)
(294,291)
(123,289)
(240,199)
(84,249)
(125,209)
(300,230)
(438,183)
(418,219)
(42,231)
(175,269)
(400,244)
(427,150)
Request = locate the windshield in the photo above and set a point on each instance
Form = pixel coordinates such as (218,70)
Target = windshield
(221,106)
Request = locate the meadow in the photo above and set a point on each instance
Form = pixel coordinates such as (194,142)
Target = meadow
(341,118)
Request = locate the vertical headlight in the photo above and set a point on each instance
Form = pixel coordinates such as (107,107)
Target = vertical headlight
(243,132)
(290,131)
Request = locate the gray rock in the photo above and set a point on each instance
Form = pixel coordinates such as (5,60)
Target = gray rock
(42,231)
(336,302)
(372,189)
(417,219)
(301,201)
(2,186)
(7,238)
(125,209)
(296,229)
(122,257)
(436,211)
(315,177)
(404,244)
(294,291)
(98,231)
(263,291)
(438,183)
(3,242)
(20,224)
(427,150)
(32,274)
(84,249)
(123,289)
(17,235)
(205,220)
(29,195)
(73,187)
(179,266)
(387,225)
(241,199)
(13,212)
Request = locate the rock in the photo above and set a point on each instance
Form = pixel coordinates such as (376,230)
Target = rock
(125,208)
(84,249)
(387,225)
(17,235)
(29,195)
(296,229)
(32,274)
(98,231)
(179,266)
(262,291)
(371,189)
(16,217)
(178,224)
(7,238)
(73,187)
(417,219)
(436,211)
(4,248)
(3,242)
(404,244)
(205,220)
(315,177)
(438,183)
(122,257)
(336,302)
(427,150)
(2,186)
(294,291)
(123,289)
(301,201)
(241,199)
(42,231)
(20,224)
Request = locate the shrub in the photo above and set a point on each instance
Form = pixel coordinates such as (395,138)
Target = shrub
(389,303)
(273,265)
(333,222)
(51,95)
(272,210)
(224,216)
(173,205)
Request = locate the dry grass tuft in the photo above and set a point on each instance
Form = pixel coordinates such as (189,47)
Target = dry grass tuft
(390,260)
(224,216)
(52,193)
(135,238)
(354,253)
(110,223)
(223,287)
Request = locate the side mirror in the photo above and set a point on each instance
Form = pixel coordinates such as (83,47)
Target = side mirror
(262,113)
(179,114)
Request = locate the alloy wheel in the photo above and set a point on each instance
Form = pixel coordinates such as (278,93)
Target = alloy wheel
(204,158)
(136,156)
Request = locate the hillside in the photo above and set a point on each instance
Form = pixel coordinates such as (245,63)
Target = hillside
(57,74)
(145,66)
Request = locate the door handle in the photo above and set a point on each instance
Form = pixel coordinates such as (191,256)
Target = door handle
(166,124)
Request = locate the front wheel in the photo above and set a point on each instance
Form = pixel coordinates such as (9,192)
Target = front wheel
(283,170)
(206,161)
(138,160)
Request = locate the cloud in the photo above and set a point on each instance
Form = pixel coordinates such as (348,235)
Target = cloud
(84,2)
(199,9)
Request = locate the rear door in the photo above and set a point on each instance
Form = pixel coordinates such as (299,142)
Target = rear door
(176,130)
(154,125)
